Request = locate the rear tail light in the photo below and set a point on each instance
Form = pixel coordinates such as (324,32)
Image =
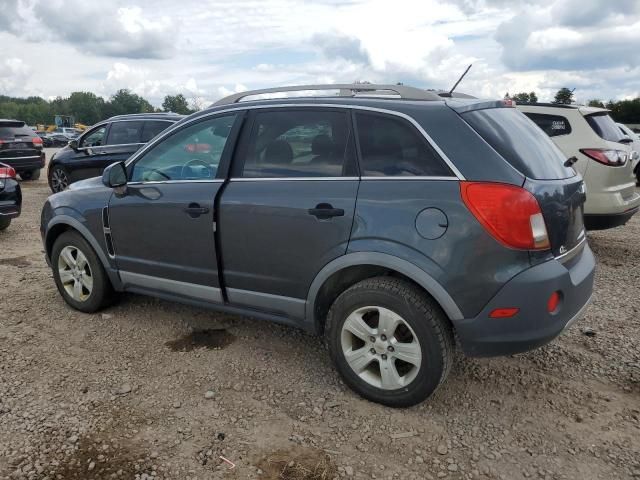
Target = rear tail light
(510,214)
(37,141)
(7,172)
(612,158)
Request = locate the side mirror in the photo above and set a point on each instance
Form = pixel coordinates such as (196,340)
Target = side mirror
(115,175)
(73,144)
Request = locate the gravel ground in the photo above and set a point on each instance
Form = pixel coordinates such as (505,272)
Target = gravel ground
(123,393)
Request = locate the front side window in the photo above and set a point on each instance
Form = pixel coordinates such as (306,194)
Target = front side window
(124,133)
(94,138)
(391,147)
(299,143)
(192,153)
(552,125)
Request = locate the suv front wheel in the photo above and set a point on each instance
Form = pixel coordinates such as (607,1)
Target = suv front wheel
(390,342)
(78,273)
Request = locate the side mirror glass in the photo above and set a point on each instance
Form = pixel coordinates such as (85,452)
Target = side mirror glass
(115,175)
(73,144)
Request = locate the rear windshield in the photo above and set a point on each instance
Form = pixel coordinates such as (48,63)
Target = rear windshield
(605,127)
(15,129)
(520,142)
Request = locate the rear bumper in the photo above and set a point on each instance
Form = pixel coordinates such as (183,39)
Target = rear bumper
(604,221)
(10,200)
(31,162)
(533,326)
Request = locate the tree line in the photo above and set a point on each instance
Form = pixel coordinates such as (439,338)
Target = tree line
(86,107)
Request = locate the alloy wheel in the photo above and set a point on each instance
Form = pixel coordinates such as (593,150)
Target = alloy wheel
(381,347)
(59,180)
(75,273)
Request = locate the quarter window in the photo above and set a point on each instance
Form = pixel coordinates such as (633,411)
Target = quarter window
(552,125)
(123,133)
(95,138)
(391,147)
(192,153)
(299,143)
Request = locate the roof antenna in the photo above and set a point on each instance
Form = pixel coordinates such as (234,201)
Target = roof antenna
(459,80)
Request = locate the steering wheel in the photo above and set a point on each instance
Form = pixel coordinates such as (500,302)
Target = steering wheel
(195,161)
(159,172)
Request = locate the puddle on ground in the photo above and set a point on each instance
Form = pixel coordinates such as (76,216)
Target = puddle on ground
(210,339)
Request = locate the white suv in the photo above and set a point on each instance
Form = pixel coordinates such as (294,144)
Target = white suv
(600,152)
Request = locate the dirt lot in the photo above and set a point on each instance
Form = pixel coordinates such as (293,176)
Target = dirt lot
(122,394)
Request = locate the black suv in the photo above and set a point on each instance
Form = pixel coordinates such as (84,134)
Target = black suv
(112,140)
(21,148)
(10,196)
(384,222)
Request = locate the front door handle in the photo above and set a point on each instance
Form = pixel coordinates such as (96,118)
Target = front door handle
(195,210)
(324,211)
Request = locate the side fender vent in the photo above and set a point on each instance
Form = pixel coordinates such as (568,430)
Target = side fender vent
(105,217)
(109,242)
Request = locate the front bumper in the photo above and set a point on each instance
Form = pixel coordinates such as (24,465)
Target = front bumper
(533,326)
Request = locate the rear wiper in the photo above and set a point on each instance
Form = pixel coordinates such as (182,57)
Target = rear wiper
(570,161)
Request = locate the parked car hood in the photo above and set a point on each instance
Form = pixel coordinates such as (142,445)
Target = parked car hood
(88,183)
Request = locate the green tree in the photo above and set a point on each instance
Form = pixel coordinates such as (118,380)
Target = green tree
(595,103)
(525,97)
(86,107)
(124,102)
(564,96)
(177,104)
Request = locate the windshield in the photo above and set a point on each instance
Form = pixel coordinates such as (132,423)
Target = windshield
(520,142)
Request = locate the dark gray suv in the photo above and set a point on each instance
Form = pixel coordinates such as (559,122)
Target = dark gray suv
(387,218)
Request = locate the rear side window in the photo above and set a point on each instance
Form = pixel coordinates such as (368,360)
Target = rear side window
(391,147)
(122,133)
(604,126)
(528,149)
(552,125)
(153,128)
(15,129)
(299,143)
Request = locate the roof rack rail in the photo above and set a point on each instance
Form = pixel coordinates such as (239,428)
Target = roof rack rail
(345,90)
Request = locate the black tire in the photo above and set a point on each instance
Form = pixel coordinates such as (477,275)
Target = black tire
(61,173)
(432,331)
(102,292)
(4,223)
(28,175)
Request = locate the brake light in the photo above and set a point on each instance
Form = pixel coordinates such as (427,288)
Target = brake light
(198,148)
(504,312)
(510,214)
(37,141)
(508,102)
(611,158)
(7,172)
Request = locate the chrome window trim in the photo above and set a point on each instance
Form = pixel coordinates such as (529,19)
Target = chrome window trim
(162,182)
(110,146)
(6,159)
(238,108)
(416,177)
(262,179)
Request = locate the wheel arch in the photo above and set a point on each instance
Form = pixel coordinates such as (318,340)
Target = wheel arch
(63,223)
(349,269)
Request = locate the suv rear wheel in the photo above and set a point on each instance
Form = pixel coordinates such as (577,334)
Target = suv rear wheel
(390,342)
(4,223)
(79,275)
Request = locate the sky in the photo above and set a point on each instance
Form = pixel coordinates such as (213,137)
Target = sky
(206,49)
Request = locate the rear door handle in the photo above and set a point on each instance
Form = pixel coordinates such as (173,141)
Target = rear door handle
(324,211)
(195,210)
